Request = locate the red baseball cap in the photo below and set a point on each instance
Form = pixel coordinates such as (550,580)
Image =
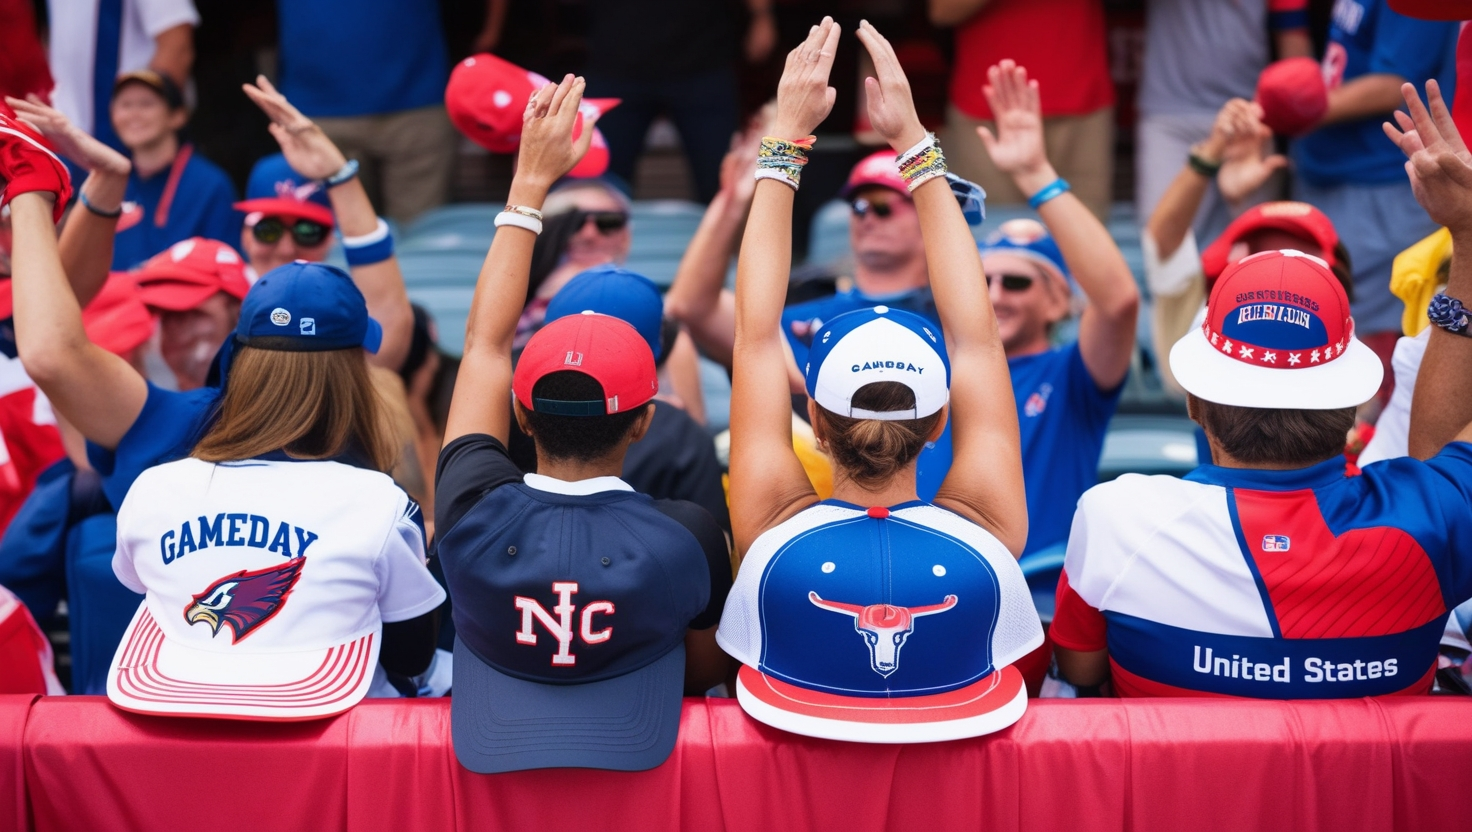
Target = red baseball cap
(609,350)
(275,189)
(1292,95)
(486,99)
(189,273)
(117,319)
(1277,335)
(1434,9)
(1297,218)
(878,168)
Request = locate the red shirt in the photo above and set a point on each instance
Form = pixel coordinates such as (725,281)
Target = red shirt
(1061,43)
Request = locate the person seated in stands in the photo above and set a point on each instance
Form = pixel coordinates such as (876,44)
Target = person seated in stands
(195,287)
(1270,573)
(1065,396)
(174,192)
(874,616)
(288,216)
(586,224)
(645,578)
(676,458)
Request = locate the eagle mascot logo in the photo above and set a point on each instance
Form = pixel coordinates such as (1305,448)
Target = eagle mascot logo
(245,600)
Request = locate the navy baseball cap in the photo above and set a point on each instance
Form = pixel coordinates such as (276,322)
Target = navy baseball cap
(881,625)
(878,344)
(306,307)
(620,293)
(569,647)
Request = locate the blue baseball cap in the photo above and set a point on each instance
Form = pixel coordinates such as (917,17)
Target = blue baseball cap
(878,344)
(885,624)
(306,307)
(275,189)
(1028,239)
(569,647)
(616,292)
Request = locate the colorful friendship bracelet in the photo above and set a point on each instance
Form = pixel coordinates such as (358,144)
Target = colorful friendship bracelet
(783,159)
(1449,314)
(922,163)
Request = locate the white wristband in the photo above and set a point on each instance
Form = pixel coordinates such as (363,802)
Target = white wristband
(519,220)
(377,234)
(923,144)
(777,175)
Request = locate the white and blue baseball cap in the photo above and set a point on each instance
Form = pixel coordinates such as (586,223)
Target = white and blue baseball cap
(882,625)
(879,344)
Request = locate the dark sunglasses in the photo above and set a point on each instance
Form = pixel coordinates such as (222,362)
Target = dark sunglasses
(304,232)
(607,222)
(862,207)
(1012,282)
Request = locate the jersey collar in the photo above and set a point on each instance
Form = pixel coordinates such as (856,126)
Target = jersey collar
(1325,473)
(577,488)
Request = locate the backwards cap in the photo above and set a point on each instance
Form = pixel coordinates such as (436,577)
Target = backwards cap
(189,272)
(276,190)
(602,347)
(1297,218)
(610,290)
(1277,336)
(879,344)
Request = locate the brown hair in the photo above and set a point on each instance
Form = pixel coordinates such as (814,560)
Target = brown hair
(870,451)
(1285,437)
(313,405)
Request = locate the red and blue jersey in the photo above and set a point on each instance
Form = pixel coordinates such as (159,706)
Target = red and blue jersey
(1299,584)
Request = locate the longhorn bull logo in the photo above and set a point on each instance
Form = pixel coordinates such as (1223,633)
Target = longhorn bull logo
(885,627)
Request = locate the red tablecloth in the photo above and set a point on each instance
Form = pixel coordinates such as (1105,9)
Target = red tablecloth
(77,763)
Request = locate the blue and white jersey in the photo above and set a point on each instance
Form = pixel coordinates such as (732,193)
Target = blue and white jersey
(1298,584)
(909,601)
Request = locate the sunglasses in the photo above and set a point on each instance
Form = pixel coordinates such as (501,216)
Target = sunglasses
(304,232)
(863,207)
(607,222)
(1012,282)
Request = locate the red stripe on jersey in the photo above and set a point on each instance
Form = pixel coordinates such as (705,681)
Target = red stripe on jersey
(1076,625)
(1365,582)
(1127,684)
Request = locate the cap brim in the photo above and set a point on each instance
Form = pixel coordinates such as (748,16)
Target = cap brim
(153,674)
(272,207)
(1350,380)
(989,705)
(175,295)
(629,723)
(373,338)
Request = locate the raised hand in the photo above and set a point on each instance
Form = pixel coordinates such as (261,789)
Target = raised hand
(1438,163)
(891,107)
(1246,165)
(803,95)
(1017,148)
(69,140)
(307,149)
(548,150)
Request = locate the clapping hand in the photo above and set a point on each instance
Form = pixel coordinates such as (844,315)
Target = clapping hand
(803,95)
(307,149)
(891,107)
(1438,163)
(70,140)
(548,150)
(1245,165)
(1017,148)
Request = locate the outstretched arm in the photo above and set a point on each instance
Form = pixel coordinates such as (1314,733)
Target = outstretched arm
(87,236)
(482,399)
(98,392)
(1440,169)
(768,484)
(985,480)
(312,154)
(1106,332)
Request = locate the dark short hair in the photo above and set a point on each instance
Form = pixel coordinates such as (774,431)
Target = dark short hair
(1270,436)
(576,437)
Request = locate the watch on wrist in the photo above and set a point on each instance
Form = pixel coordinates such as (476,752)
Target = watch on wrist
(346,173)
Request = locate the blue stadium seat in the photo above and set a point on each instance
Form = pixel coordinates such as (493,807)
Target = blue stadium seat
(450,307)
(1041,569)
(429,267)
(1148,444)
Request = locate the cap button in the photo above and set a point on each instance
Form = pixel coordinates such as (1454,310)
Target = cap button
(880,310)
(878,512)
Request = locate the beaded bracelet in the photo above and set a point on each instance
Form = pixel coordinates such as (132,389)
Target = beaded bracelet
(922,163)
(1449,314)
(783,159)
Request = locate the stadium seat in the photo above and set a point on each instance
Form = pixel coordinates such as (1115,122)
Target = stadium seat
(429,267)
(449,305)
(1041,569)
(1148,444)
(715,387)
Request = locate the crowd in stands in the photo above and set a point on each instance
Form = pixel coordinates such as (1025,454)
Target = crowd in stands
(238,468)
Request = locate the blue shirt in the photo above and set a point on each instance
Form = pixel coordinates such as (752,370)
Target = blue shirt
(1063,416)
(801,320)
(201,205)
(361,57)
(1366,37)
(166,429)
